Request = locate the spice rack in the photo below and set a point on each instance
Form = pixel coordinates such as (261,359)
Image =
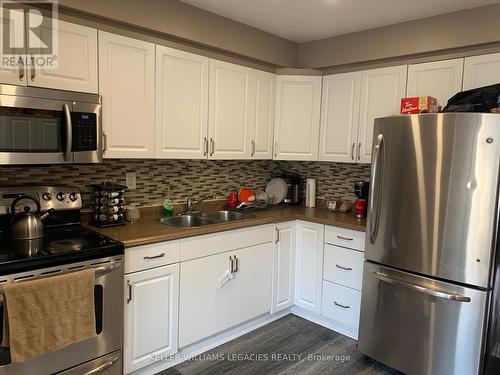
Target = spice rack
(109,204)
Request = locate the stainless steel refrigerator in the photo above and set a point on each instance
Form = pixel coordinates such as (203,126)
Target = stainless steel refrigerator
(430,302)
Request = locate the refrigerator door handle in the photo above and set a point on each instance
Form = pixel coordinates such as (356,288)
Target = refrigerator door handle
(378,153)
(431,292)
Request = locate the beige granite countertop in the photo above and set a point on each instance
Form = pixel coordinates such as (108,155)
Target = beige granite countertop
(148,229)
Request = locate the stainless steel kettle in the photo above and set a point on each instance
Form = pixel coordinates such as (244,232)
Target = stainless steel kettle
(27,225)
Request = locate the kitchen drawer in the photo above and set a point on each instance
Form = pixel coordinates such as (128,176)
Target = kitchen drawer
(221,242)
(343,266)
(349,238)
(341,304)
(150,256)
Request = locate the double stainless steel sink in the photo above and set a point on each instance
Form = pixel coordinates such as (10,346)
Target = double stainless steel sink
(198,219)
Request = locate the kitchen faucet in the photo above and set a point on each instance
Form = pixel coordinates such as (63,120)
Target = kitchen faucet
(190,205)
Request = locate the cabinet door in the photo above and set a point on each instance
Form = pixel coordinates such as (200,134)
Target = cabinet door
(231,110)
(151,305)
(309,265)
(126,83)
(296,127)
(76,60)
(340,117)
(265,93)
(204,306)
(481,71)
(283,267)
(381,93)
(181,104)
(17,74)
(251,286)
(440,79)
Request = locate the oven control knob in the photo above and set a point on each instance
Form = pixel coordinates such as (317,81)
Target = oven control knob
(61,196)
(73,196)
(46,196)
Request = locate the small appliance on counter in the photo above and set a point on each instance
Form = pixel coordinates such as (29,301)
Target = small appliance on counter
(109,204)
(361,189)
(294,189)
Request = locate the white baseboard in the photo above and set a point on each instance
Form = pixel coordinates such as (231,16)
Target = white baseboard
(210,343)
(322,320)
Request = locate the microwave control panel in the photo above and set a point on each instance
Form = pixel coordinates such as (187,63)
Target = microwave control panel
(84,131)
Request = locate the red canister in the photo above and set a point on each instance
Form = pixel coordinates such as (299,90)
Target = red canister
(360,208)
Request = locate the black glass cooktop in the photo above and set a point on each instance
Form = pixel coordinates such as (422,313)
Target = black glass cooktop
(61,246)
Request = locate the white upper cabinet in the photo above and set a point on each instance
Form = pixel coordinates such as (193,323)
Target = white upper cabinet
(265,93)
(127,86)
(231,110)
(340,117)
(296,128)
(76,60)
(181,104)
(439,79)
(381,93)
(481,71)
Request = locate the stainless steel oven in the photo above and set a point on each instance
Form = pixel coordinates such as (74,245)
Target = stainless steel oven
(46,126)
(99,355)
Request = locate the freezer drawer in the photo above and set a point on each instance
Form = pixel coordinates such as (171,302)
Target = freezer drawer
(421,326)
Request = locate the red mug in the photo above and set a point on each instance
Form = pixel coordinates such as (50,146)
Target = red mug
(232,199)
(360,207)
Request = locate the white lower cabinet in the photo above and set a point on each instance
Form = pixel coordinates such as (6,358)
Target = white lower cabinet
(283,267)
(209,306)
(342,304)
(151,307)
(309,265)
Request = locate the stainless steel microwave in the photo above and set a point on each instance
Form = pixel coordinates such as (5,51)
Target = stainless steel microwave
(46,126)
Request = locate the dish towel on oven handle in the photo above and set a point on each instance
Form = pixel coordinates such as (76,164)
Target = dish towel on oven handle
(47,314)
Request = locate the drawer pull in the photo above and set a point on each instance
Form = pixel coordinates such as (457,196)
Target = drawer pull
(343,268)
(345,238)
(155,257)
(340,305)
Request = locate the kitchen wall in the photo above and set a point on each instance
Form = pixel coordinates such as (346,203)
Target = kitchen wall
(182,178)
(462,29)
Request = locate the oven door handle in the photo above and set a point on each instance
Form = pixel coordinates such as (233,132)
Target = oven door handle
(100,271)
(69,133)
(100,369)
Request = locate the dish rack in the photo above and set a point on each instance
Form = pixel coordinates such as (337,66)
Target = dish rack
(109,204)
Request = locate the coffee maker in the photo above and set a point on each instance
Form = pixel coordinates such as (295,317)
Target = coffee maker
(361,192)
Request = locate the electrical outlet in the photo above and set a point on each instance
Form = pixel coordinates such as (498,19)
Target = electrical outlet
(130,181)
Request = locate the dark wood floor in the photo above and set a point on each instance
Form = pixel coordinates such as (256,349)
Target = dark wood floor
(290,345)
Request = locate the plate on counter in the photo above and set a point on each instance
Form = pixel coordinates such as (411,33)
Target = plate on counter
(276,190)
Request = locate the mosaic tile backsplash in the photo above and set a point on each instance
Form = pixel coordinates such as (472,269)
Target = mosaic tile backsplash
(181,178)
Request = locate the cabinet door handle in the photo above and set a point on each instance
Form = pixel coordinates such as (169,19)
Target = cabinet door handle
(104,142)
(343,268)
(129,291)
(275,149)
(236,264)
(33,72)
(205,146)
(359,151)
(155,256)
(345,238)
(21,70)
(277,236)
(212,146)
(340,305)
(352,150)
(253,148)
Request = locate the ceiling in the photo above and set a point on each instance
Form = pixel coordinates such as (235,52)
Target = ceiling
(306,20)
